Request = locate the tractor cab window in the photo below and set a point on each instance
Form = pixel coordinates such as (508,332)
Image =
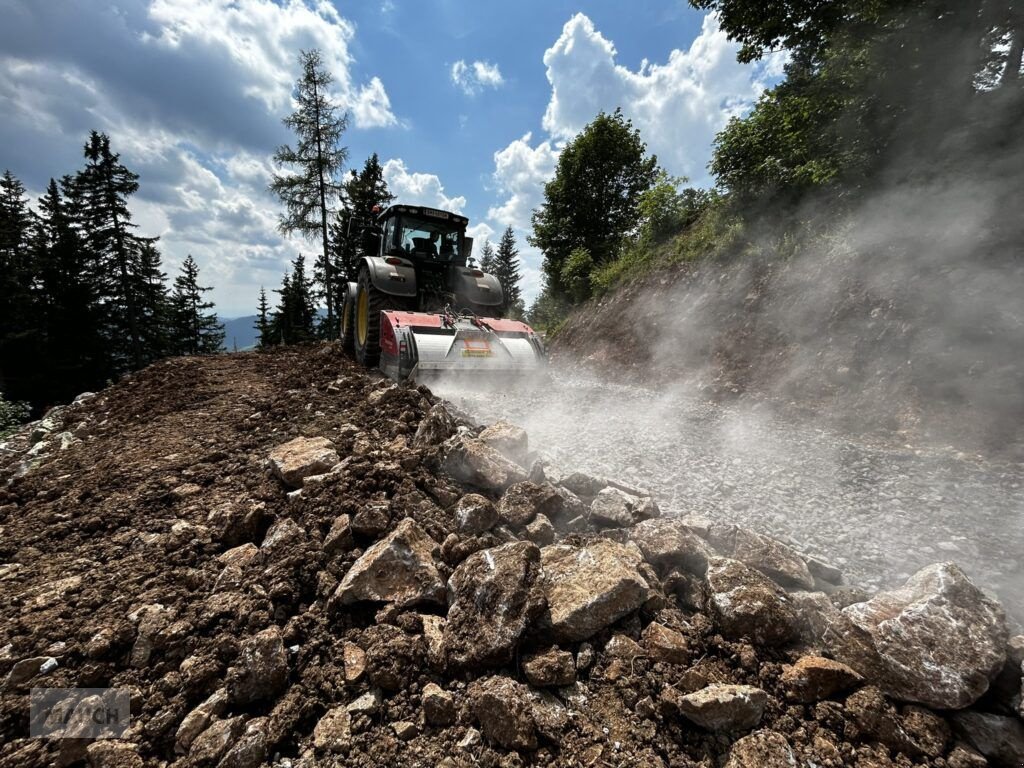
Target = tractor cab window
(426,238)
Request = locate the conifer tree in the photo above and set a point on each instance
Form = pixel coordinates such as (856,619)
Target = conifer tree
(262,326)
(506,269)
(196,329)
(18,345)
(292,322)
(487,262)
(310,188)
(361,193)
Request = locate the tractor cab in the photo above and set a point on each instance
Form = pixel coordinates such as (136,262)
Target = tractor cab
(424,234)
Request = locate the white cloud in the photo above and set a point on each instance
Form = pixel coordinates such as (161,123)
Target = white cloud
(262,37)
(678,106)
(472,78)
(419,188)
(520,172)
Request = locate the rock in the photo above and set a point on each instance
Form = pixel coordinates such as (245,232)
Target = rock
(509,440)
(433,638)
(239,556)
(826,572)
(665,645)
(668,543)
(475,514)
(814,678)
(552,667)
(372,520)
(584,485)
(397,569)
(589,588)
(299,458)
(493,599)
(725,707)
(436,427)
(438,705)
(872,718)
(774,559)
(1000,739)
(109,753)
(250,751)
(689,590)
(282,538)
(211,744)
(405,730)
(366,704)
(333,732)
(198,720)
(549,715)
(524,501)
(611,508)
(354,659)
(744,603)
(339,538)
(503,708)
(25,670)
(622,647)
(470,740)
(927,730)
(584,657)
(964,756)
(891,639)
(815,613)
(261,671)
(762,749)
(474,462)
(541,532)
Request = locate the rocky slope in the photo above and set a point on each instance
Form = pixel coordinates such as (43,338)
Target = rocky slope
(288,561)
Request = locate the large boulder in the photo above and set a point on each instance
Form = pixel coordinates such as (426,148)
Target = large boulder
(475,462)
(668,543)
(774,559)
(510,441)
(397,569)
(724,707)
(261,671)
(1000,739)
(505,713)
(475,514)
(814,678)
(589,588)
(436,427)
(937,641)
(297,459)
(522,502)
(493,599)
(745,603)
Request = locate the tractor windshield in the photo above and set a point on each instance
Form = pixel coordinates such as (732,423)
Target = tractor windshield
(429,238)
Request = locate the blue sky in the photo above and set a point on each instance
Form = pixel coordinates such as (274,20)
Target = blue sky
(466,103)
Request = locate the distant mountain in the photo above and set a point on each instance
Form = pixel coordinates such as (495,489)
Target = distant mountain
(240,333)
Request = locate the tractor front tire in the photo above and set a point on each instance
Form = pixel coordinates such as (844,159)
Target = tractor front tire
(369,304)
(348,323)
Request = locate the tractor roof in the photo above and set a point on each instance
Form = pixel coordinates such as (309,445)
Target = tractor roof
(427,213)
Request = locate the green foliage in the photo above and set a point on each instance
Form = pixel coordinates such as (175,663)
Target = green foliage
(487,257)
(575,275)
(361,193)
(506,269)
(293,320)
(309,188)
(548,312)
(196,330)
(592,202)
(12,416)
(263,327)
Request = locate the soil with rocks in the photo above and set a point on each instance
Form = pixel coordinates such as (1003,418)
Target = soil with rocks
(288,561)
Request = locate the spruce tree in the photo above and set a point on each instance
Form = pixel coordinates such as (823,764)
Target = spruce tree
(196,330)
(262,326)
(292,322)
(19,345)
(506,269)
(105,186)
(156,312)
(361,193)
(487,262)
(310,188)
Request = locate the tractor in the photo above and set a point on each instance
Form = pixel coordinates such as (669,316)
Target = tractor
(419,309)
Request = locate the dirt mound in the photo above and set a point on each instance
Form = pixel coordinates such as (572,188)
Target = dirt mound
(271,553)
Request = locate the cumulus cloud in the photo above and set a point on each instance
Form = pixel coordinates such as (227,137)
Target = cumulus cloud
(678,106)
(417,188)
(191,93)
(473,78)
(520,172)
